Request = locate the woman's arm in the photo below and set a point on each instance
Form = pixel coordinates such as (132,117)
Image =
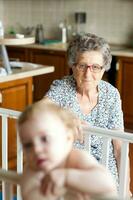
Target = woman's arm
(117,152)
(116,122)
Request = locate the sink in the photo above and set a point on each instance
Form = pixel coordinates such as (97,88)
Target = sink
(17,67)
(17,64)
(50,41)
(3,71)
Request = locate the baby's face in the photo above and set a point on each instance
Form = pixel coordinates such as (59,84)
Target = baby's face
(45,141)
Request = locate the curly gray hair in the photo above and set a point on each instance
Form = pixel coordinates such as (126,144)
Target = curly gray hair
(88,42)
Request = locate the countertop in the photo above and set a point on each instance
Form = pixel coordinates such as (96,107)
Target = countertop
(116,50)
(27,71)
(54,46)
(123,53)
(16,41)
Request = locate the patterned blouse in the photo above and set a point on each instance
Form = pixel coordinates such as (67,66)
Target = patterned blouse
(106,114)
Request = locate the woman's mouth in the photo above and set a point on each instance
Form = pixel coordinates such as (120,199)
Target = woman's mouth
(87,80)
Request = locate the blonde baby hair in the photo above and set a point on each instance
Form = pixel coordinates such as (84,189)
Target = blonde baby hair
(46,106)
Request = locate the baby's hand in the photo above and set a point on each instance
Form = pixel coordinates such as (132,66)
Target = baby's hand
(30,184)
(54,183)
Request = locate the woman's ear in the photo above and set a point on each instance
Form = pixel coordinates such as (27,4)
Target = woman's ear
(73,67)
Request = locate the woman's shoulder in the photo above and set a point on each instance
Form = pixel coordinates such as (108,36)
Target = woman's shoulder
(65,80)
(107,88)
(67,83)
(61,90)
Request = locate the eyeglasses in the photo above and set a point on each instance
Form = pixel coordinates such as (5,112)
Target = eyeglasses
(93,68)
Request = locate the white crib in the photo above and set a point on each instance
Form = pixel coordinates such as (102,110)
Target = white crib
(8,178)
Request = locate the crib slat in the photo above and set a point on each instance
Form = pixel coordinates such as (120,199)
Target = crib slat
(7,192)
(19,164)
(4,152)
(19,155)
(19,193)
(4,142)
(105,151)
(87,141)
(123,170)
(7,187)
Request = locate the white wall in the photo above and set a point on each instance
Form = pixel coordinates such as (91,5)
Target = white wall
(1,10)
(112,19)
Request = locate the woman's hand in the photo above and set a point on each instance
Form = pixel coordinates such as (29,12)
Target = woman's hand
(54,183)
(79,135)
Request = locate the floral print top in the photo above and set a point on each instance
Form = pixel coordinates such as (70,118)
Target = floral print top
(106,114)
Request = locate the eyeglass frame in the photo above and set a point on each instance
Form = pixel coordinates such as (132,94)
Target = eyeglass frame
(84,67)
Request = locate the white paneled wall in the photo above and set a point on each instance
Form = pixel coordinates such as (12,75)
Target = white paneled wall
(112,19)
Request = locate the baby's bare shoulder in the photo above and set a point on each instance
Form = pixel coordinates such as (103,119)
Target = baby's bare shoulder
(82,159)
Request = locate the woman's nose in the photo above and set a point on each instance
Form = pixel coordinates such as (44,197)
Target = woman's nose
(88,70)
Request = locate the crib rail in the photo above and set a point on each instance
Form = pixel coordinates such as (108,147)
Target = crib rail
(7,185)
(107,135)
(9,179)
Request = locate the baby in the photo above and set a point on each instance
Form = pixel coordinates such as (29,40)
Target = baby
(52,167)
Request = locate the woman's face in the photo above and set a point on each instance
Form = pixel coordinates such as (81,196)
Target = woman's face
(88,70)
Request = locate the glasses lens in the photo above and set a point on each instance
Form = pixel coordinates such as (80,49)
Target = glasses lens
(93,68)
(96,68)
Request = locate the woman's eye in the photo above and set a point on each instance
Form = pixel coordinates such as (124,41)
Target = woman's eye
(95,67)
(82,65)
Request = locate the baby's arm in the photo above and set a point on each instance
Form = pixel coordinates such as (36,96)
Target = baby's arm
(88,176)
(83,174)
(30,182)
(30,186)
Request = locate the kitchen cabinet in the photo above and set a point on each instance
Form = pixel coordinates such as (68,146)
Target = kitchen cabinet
(17,53)
(14,95)
(124,83)
(125,86)
(42,56)
(47,57)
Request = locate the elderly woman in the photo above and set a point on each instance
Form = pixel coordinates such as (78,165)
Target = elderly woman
(93,100)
